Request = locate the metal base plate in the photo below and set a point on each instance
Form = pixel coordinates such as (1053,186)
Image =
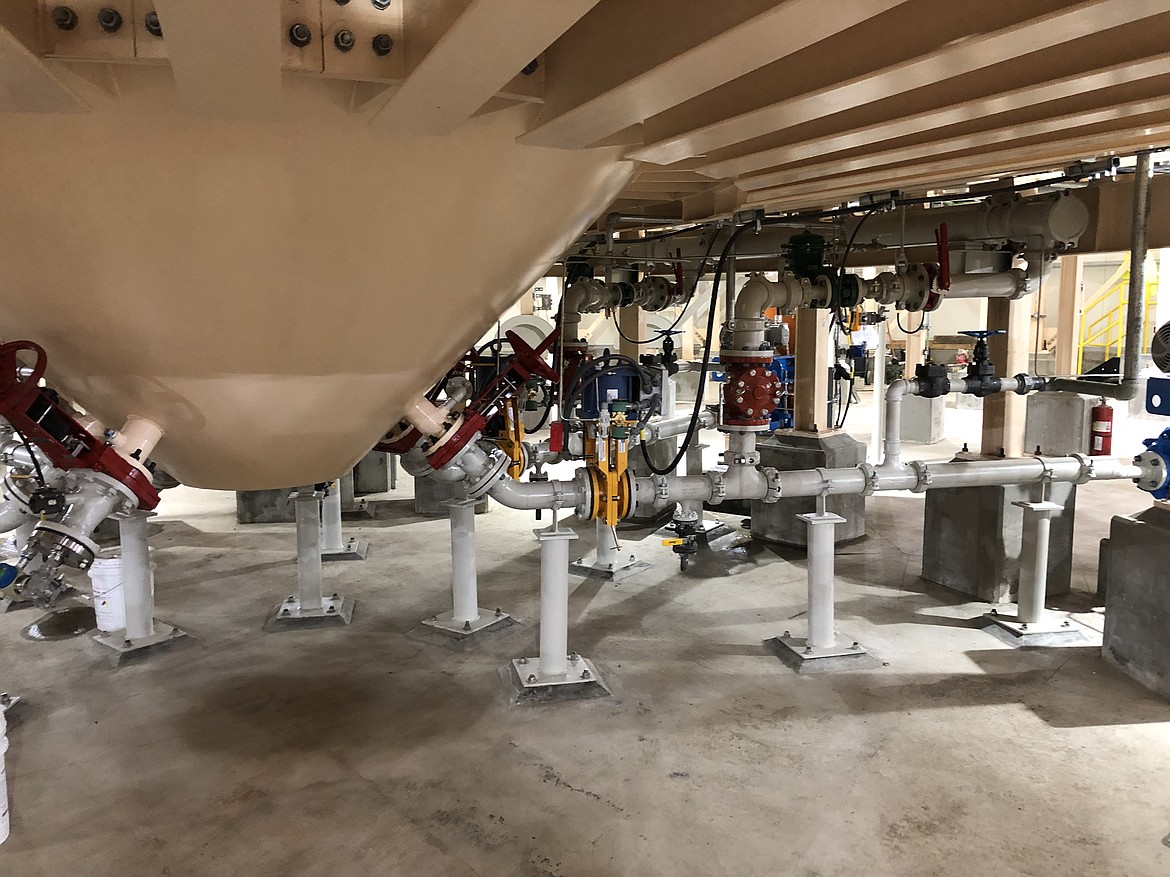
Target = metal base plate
(353,550)
(1052,629)
(626,566)
(14,603)
(333,609)
(580,682)
(803,658)
(488,618)
(117,641)
(8,701)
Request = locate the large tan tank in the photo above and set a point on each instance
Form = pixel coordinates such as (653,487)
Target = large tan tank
(271,292)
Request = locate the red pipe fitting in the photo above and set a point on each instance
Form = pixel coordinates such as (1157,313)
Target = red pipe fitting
(750,393)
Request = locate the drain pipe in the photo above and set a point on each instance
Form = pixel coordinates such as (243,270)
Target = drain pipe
(1127,387)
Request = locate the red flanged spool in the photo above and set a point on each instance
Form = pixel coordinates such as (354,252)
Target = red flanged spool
(750,393)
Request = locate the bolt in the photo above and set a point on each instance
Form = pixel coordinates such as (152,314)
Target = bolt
(522,661)
(1066,624)
(808,650)
(498,612)
(4,698)
(344,40)
(128,643)
(1023,626)
(64,17)
(995,612)
(787,633)
(467,625)
(153,26)
(531,677)
(530,68)
(574,657)
(585,674)
(110,19)
(382,44)
(300,35)
(856,645)
(284,611)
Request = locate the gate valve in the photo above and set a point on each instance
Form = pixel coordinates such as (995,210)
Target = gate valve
(981,370)
(933,380)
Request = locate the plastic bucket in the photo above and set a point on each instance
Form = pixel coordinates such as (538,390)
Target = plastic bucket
(109,604)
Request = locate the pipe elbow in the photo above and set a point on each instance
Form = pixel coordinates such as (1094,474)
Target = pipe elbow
(754,297)
(901,387)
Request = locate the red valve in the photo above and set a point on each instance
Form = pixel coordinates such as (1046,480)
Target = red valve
(944,256)
(17,393)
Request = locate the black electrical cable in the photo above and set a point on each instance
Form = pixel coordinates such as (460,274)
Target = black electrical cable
(36,462)
(905,331)
(690,434)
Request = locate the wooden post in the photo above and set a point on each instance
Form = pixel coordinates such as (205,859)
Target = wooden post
(632,321)
(810,407)
(1003,413)
(915,352)
(1068,320)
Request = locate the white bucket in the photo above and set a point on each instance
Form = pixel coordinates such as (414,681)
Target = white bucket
(109,601)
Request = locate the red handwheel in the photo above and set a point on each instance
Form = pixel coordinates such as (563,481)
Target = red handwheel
(16,393)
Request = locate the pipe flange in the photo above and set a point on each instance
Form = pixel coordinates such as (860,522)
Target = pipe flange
(922,470)
(585,490)
(871,479)
(1086,468)
(718,487)
(1154,475)
(497,463)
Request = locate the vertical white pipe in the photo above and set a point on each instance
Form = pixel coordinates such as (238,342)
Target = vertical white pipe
(137,578)
(464,587)
(1034,562)
(5,825)
(879,394)
(821,544)
(607,547)
(332,540)
(554,602)
(309,582)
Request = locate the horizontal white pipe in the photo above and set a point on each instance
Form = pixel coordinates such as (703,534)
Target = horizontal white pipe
(1001,284)
(667,427)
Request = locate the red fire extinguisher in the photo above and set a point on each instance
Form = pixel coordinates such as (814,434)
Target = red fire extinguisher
(1101,430)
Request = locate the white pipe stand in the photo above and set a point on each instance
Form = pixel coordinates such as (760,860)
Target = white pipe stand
(334,544)
(142,631)
(607,561)
(310,604)
(1033,624)
(467,617)
(822,641)
(556,667)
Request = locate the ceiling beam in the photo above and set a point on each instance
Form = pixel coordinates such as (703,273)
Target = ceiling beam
(954,114)
(28,86)
(959,170)
(990,137)
(484,49)
(959,58)
(225,55)
(689,62)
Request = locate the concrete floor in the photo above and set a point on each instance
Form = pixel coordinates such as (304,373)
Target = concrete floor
(363,751)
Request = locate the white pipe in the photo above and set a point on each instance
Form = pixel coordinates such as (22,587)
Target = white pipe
(1034,564)
(892,439)
(554,602)
(1005,284)
(12,515)
(309,579)
(5,823)
(821,544)
(425,416)
(668,427)
(530,496)
(879,398)
(137,439)
(137,578)
(332,541)
(607,546)
(464,586)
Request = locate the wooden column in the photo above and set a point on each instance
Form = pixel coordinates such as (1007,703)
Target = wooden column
(915,352)
(633,324)
(810,409)
(1068,320)
(1003,413)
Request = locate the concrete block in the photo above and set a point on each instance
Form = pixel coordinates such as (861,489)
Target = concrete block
(1137,601)
(372,473)
(265,506)
(922,419)
(430,496)
(787,450)
(971,538)
(1057,423)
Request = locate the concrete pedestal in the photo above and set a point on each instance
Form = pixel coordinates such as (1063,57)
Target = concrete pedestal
(1057,423)
(922,419)
(372,473)
(1137,601)
(787,450)
(431,497)
(972,537)
(265,506)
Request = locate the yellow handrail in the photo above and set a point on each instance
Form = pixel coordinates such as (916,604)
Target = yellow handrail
(1108,329)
